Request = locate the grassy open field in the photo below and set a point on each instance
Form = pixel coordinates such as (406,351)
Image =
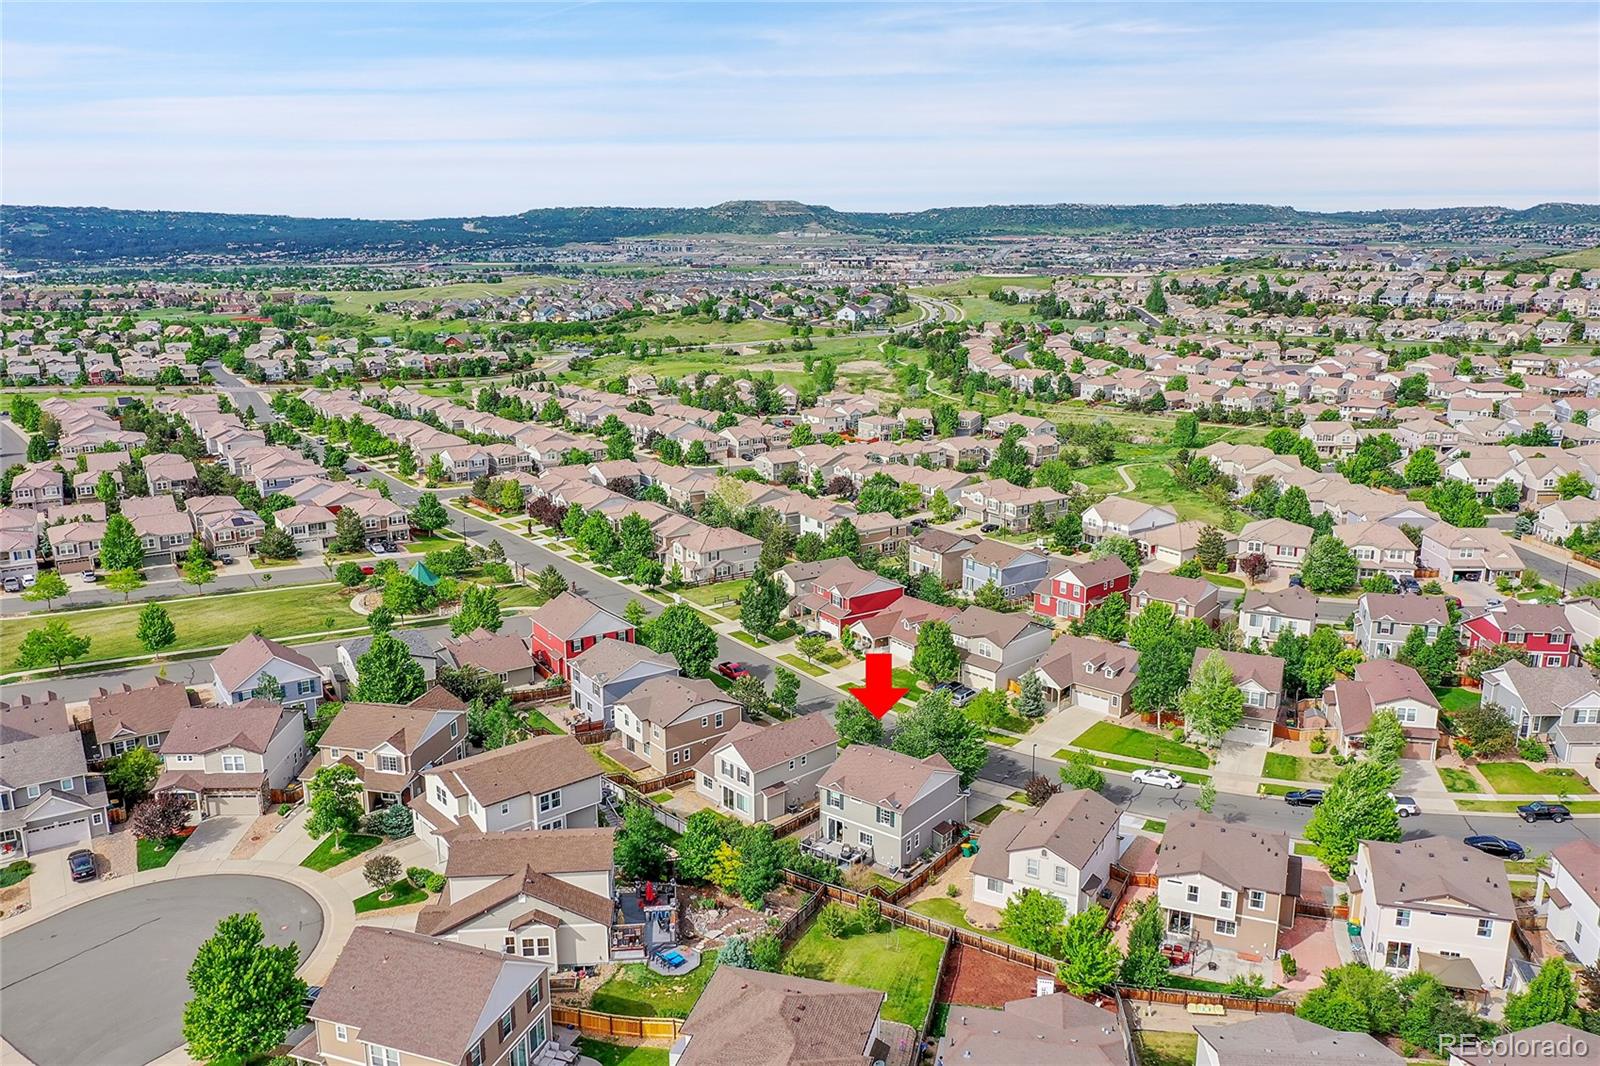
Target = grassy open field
(972,295)
(902,962)
(697,330)
(1587,259)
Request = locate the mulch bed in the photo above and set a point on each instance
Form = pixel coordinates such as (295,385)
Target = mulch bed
(979,979)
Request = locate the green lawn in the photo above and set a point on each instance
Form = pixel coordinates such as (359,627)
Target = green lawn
(15,873)
(1457,699)
(711,595)
(608,764)
(1268,789)
(154,854)
(1167,1049)
(1223,580)
(1510,806)
(204,621)
(1459,780)
(324,857)
(800,664)
(1139,744)
(950,912)
(990,815)
(1155,825)
(745,638)
(619,1055)
(402,893)
(1299,768)
(540,720)
(1194,777)
(902,962)
(638,992)
(1518,778)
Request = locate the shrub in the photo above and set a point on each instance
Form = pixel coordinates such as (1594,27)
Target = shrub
(1319,744)
(1247,986)
(1290,967)
(870,911)
(1464,748)
(736,952)
(381,871)
(435,882)
(1039,789)
(418,875)
(952,890)
(834,921)
(1177,734)
(766,953)
(1532,749)
(284,809)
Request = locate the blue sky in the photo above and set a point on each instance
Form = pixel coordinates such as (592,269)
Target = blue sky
(395,110)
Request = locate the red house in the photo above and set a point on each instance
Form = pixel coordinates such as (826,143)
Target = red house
(1080,585)
(837,593)
(1539,629)
(568,626)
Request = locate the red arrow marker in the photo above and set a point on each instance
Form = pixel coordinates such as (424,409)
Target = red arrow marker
(880,693)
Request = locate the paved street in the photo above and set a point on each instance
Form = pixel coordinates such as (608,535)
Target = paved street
(241,393)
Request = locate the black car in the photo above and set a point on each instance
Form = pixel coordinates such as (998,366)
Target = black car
(1411,585)
(1303,797)
(80,864)
(988,527)
(1539,811)
(312,992)
(1499,847)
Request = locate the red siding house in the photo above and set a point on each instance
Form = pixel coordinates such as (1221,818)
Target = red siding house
(1541,630)
(1080,585)
(836,593)
(568,626)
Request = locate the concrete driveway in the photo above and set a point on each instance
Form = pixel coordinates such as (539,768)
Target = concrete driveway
(103,982)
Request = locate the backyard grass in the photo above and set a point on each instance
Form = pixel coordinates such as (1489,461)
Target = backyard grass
(713,594)
(15,873)
(540,720)
(1517,778)
(1459,780)
(902,963)
(202,622)
(800,664)
(154,854)
(638,992)
(620,1055)
(1154,825)
(1167,1049)
(401,894)
(324,857)
(608,764)
(1139,744)
(1299,768)
(950,912)
(1452,700)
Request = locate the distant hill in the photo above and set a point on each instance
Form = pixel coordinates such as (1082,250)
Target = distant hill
(33,236)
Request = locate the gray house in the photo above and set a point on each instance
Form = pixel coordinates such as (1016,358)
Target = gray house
(888,805)
(1559,704)
(610,669)
(47,798)
(756,773)
(1016,570)
(1383,621)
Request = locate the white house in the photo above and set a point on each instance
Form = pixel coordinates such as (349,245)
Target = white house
(1569,898)
(1064,849)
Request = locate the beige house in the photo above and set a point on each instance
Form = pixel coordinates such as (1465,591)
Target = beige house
(1233,886)
(1048,1030)
(754,1018)
(1287,1038)
(712,553)
(756,774)
(1384,685)
(389,745)
(888,805)
(938,551)
(669,722)
(1063,849)
(226,760)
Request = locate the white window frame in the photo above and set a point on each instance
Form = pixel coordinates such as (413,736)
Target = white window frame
(1226,927)
(1253,896)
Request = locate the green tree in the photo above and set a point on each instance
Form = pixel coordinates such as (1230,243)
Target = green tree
(1033,920)
(550,583)
(856,724)
(1151,624)
(1030,696)
(404,594)
(1330,566)
(1186,430)
(1552,996)
(641,844)
(1156,300)
(1356,807)
(760,864)
(49,586)
(126,582)
(991,596)
(52,644)
(335,799)
(245,998)
(1163,673)
(106,490)
(1081,772)
(1213,703)
(198,569)
(1384,738)
(1089,956)
(155,629)
(120,548)
(1108,619)
(1572,485)
(935,726)
(1124,548)
(348,533)
(761,605)
(811,645)
(1145,966)
(386,673)
(935,657)
(703,833)
(1211,548)
(1294,506)
(480,609)
(132,773)
(429,514)
(1353,999)
(785,690)
(1422,469)
(679,631)
(1507,494)
(1457,504)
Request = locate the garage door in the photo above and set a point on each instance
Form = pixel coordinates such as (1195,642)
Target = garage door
(1094,701)
(223,804)
(1250,733)
(59,835)
(1417,749)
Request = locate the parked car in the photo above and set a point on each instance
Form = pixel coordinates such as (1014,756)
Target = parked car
(733,671)
(1296,581)
(1405,806)
(80,864)
(379,547)
(988,527)
(1304,797)
(312,992)
(13,584)
(960,694)
(368,569)
(1152,776)
(1493,601)
(1540,811)
(90,577)
(1411,585)
(917,523)
(1499,847)
(28,580)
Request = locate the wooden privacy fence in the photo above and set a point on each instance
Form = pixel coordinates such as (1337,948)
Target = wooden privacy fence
(594,1023)
(541,694)
(1182,997)
(1307,908)
(789,823)
(647,785)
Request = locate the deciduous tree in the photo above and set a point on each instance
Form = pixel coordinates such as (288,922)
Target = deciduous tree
(155,630)
(245,997)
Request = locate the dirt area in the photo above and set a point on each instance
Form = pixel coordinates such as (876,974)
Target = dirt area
(729,918)
(256,836)
(118,851)
(983,980)
(16,899)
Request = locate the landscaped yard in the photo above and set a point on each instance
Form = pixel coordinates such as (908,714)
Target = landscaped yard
(15,873)
(156,853)
(1456,780)
(402,893)
(639,992)
(620,1055)
(324,857)
(902,963)
(1457,699)
(1167,1049)
(1518,778)
(1299,768)
(1140,744)
(801,665)
(949,911)
(713,594)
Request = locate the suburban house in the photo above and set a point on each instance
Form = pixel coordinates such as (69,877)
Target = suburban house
(129,717)
(1013,507)
(714,553)
(1093,674)
(1064,849)
(1477,554)
(544,782)
(1188,597)
(1436,905)
(1264,615)
(48,799)
(1179,543)
(389,745)
(569,625)
(887,804)
(536,894)
(755,1018)
(383,1004)
(1287,1038)
(1569,898)
(1232,885)
(226,761)
(1283,543)
(1080,585)
(1379,548)
(668,722)
(348,655)
(1559,519)
(1260,678)
(1384,685)
(1539,629)
(940,552)
(1121,517)
(996,648)
(1383,621)
(1561,706)
(503,655)
(757,774)
(241,674)
(1017,571)
(1042,1030)
(836,593)
(608,670)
